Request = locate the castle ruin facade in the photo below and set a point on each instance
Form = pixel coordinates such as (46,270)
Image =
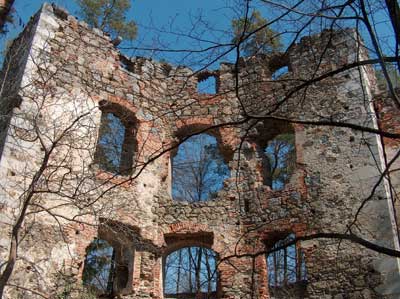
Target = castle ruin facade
(63,81)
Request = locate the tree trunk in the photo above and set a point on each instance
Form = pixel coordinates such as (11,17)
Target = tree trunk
(178,279)
(190,269)
(209,275)
(285,267)
(12,257)
(198,270)
(275,270)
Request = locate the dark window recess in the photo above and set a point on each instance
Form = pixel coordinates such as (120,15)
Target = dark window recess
(126,63)
(198,169)
(105,272)
(276,149)
(191,273)
(287,274)
(280,72)
(116,143)
(99,269)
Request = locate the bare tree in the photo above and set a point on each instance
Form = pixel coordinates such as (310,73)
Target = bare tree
(191,272)
(198,169)
(51,119)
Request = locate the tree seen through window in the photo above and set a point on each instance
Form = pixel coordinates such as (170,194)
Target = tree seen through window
(198,169)
(190,273)
(98,271)
(116,144)
(281,156)
(111,141)
(287,265)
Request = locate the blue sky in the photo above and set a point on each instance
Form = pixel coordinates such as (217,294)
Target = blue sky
(199,169)
(165,15)
(156,20)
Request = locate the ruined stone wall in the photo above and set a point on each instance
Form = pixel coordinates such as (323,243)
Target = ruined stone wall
(73,71)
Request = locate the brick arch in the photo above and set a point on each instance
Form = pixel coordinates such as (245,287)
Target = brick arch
(223,135)
(183,227)
(123,103)
(198,121)
(176,242)
(299,229)
(126,112)
(186,233)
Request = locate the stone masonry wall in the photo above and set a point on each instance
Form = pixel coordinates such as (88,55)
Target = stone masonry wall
(73,71)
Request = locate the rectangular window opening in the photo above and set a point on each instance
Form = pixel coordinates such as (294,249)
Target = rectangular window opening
(207,85)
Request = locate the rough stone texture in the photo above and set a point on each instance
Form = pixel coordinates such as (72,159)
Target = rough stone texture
(71,69)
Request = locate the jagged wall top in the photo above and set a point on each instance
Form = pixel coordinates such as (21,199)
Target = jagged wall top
(331,38)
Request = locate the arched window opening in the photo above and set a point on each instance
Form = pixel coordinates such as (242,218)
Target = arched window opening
(280,156)
(198,169)
(287,272)
(116,143)
(191,273)
(99,269)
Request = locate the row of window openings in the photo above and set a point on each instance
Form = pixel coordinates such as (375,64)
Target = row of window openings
(190,272)
(198,166)
(209,84)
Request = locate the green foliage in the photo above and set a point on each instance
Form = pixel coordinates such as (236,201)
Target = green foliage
(8,13)
(112,134)
(264,40)
(98,270)
(109,16)
(393,75)
(68,287)
(282,156)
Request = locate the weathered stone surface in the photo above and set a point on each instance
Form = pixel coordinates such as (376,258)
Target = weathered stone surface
(334,170)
